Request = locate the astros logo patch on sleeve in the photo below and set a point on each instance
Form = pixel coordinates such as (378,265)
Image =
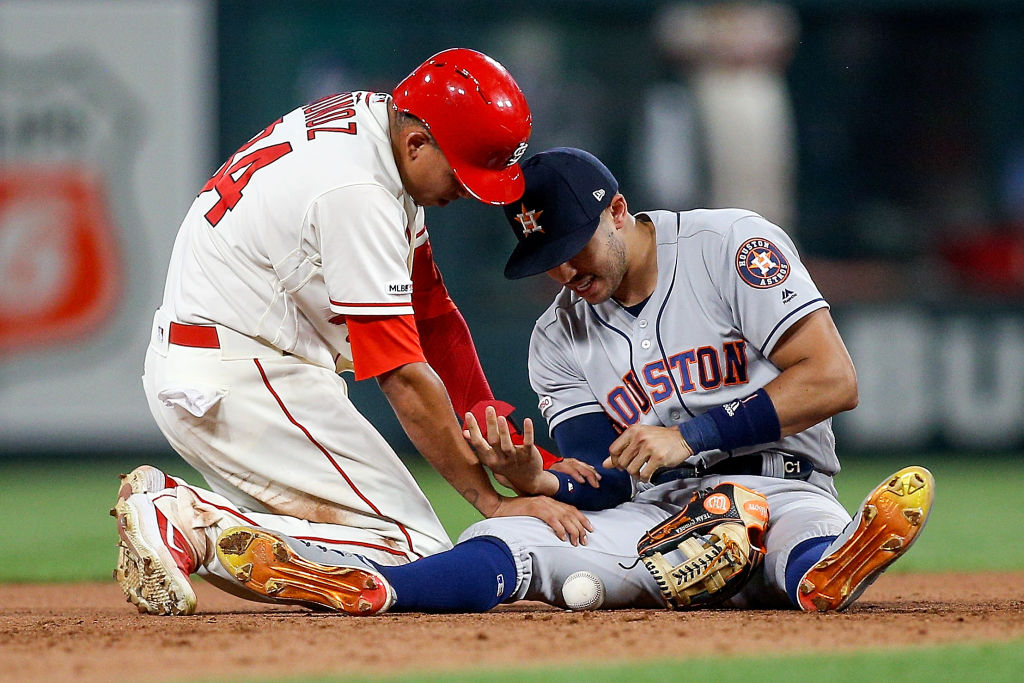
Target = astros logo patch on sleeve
(761,264)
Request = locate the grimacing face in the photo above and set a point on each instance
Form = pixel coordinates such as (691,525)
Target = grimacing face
(597,271)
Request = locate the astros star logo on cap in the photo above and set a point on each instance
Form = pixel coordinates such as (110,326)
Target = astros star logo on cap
(528,219)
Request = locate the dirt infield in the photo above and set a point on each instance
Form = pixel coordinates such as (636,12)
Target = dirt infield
(87,632)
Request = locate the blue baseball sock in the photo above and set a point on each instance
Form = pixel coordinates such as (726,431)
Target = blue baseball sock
(804,556)
(474,576)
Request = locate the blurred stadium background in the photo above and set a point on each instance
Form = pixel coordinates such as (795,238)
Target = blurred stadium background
(887,135)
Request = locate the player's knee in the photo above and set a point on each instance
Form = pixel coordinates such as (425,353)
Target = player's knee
(496,528)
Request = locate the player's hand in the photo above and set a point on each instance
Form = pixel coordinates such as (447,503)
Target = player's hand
(582,472)
(568,523)
(642,450)
(521,468)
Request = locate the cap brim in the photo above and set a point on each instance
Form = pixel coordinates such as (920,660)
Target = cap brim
(490,186)
(527,259)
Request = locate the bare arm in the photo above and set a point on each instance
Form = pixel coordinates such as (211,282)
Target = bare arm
(421,403)
(818,379)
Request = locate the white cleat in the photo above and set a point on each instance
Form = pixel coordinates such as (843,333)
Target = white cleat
(155,559)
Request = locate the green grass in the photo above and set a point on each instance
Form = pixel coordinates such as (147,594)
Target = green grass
(991,662)
(971,491)
(55,527)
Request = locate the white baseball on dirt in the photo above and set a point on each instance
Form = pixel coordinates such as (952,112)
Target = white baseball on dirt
(583,591)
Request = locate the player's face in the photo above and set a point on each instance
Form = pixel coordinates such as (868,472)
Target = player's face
(597,271)
(429,178)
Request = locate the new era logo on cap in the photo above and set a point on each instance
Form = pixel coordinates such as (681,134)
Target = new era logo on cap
(598,194)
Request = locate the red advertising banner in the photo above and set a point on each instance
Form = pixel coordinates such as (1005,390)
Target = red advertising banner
(60,268)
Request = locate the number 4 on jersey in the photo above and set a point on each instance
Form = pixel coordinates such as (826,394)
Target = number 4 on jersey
(227,181)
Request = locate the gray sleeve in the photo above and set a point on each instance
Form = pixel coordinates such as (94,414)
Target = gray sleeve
(763,281)
(556,376)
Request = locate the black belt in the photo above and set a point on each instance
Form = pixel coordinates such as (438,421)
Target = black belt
(794,467)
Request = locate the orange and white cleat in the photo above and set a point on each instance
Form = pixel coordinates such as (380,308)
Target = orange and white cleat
(888,522)
(294,571)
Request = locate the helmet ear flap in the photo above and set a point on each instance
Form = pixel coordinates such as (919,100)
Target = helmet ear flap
(478,116)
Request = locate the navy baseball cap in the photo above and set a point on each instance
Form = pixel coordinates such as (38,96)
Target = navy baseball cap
(566,191)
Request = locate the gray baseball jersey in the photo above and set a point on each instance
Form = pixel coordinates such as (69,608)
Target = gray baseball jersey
(729,286)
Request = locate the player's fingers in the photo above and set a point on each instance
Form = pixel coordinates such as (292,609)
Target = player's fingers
(475,437)
(590,476)
(653,461)
(633,460)
(574,532)
(645,471)
(527,433)
(556,526)
(620,444)
(505,436)
(578,470)
(472,429)
(579,525)
(492,426)
(584,520)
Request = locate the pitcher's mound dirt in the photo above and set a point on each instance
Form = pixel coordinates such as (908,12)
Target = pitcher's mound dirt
(86,632)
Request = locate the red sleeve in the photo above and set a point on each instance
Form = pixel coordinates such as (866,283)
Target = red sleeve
(429,295)
(448,345)
(444,335)
(382,343)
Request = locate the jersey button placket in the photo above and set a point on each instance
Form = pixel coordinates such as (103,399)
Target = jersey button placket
(645,344)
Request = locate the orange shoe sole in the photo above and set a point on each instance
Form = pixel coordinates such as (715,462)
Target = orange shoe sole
(267,565)
(891,519)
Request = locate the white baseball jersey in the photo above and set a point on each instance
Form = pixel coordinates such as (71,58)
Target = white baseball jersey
(306,224)
(330,232)
(729,286)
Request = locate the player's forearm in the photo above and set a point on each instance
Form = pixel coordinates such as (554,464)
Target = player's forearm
(419,400)
(809,393)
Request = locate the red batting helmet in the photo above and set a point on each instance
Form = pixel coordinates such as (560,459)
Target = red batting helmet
(478,116)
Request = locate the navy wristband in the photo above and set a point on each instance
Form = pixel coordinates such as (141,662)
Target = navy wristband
(615,488)
(746,422)
(701,434)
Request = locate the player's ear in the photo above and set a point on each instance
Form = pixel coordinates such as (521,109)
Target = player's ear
(414,140)
(619,210)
